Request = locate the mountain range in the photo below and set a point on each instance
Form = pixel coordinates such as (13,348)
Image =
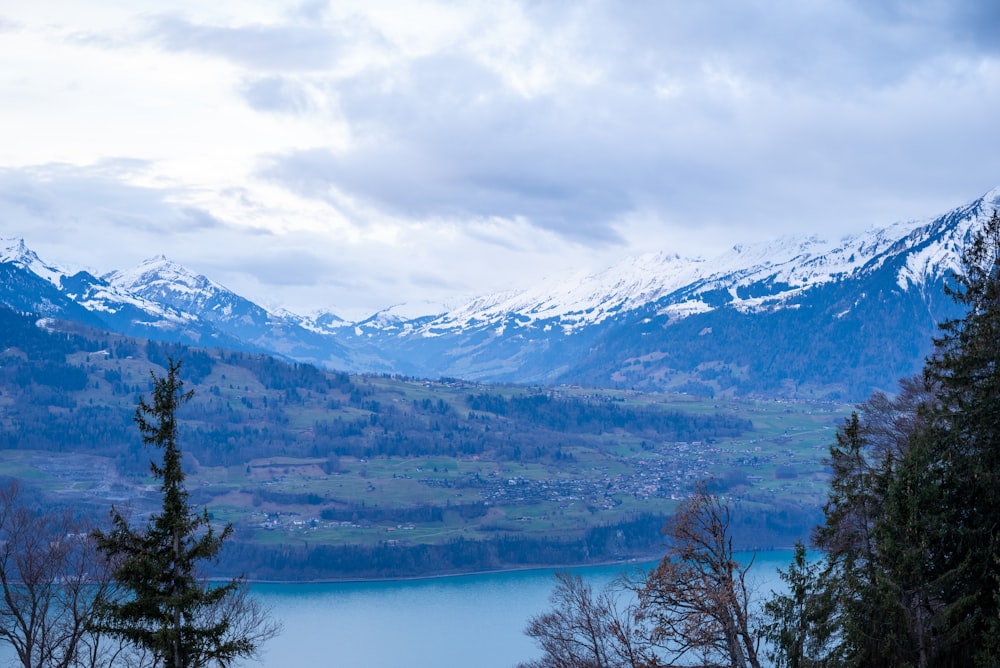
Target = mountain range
(790,317)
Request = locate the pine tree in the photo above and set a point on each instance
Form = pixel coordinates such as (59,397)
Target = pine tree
(882,516)
(912,529)
(798,628)
(168,610)
(850,577)
(964,454)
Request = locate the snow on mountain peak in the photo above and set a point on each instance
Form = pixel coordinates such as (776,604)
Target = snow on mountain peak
(782,267)
(15,251)
(159,279)
(157,269)
(579,299)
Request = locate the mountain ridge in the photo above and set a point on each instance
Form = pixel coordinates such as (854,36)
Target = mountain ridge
(556,330)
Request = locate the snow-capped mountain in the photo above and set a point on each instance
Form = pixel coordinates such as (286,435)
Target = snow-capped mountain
(868,303)
(160,300)
(81,296)
(164,282)
(576,302)
(15,252)
(792,316)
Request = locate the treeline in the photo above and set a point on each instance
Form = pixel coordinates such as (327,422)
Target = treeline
(424,514)
(75,392)
(638,537)
(572,415)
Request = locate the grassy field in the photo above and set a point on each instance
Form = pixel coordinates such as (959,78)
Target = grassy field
(599,479)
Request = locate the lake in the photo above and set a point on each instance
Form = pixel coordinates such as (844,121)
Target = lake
(452,622)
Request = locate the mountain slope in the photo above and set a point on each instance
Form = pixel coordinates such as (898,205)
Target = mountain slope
(791,316)
(804,317)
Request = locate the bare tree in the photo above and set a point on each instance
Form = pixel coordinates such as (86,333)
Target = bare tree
(50,576)
(588,631)
(698,598)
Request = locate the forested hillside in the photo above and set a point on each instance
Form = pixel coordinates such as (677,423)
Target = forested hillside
(452,473)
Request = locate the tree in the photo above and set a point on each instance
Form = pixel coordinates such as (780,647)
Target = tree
(911,533)
(850,576)
(798,629)
(698,597)
(588,631)
(962,452)
(881,518)
(168,610)
(51,576)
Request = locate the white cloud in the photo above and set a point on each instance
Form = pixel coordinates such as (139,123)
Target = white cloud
(360,153)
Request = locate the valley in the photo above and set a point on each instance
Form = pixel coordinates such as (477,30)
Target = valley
(305,462)
(556,425)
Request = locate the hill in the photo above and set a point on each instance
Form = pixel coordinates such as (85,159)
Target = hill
(328,475)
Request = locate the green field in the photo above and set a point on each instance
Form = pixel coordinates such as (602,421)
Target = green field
(464,475)
(601,479)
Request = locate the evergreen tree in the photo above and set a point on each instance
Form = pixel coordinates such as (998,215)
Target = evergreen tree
(908,537)
(963,453)
(168,610)
(883,519)
(850,577)
(912,529)
(797,625)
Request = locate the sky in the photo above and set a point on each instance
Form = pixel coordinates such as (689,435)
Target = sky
(355,154)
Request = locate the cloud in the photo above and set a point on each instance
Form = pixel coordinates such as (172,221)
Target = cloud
(941,25)
(724,114)
(383,151)
(88,217)
(277,94)
(285,267)
(260,47)
(451,141)
(61,195)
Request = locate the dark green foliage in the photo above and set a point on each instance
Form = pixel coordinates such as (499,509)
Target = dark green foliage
(570,415)
(912,524)
(168,609)
(798,628)
(962,452)
(847,537)
(198,364)
(76,393)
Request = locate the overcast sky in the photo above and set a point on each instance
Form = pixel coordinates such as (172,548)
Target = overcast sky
(350,155)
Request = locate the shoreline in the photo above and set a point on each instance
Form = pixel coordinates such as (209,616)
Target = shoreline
(441,576)
(634,561)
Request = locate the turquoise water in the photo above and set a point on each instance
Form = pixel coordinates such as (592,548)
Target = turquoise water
(469,621)
(457,622)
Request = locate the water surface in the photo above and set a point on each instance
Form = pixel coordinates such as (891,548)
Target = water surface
(455,622)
